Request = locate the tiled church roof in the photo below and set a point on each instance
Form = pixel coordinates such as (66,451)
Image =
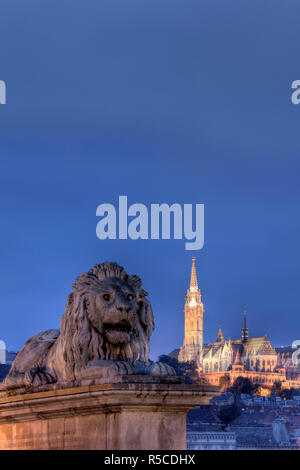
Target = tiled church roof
(253,346)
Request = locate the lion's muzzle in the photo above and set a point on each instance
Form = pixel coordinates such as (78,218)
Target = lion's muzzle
(118,332)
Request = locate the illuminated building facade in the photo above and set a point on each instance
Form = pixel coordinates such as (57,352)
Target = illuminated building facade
(193,314)
(254,358)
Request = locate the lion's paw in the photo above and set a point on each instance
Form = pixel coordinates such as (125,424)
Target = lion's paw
(103,368)
(123,368)
(38,376)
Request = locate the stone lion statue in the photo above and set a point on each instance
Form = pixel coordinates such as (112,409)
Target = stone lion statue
(104,332)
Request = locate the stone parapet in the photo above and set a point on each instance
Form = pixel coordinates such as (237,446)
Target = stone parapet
(113,416)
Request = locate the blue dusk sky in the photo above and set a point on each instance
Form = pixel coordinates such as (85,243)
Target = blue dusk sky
(163,101)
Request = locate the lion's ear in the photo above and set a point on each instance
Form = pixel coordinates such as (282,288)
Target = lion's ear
(147,318)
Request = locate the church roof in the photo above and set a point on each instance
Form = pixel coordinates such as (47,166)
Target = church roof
(287,350)
(258,346)
(253,346)
(213,349)
(216,349)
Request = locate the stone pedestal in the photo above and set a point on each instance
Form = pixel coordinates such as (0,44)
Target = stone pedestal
(108,416)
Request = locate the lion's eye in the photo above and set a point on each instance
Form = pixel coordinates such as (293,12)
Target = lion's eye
(129,297)
(106,297)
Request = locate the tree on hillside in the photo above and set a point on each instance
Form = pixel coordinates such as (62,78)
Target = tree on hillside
(171,361)
(228,413)
(288,393)
(276,389)
(242,385)
(224,382)
(187,370)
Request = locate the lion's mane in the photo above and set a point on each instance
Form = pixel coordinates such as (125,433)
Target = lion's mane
(79,339)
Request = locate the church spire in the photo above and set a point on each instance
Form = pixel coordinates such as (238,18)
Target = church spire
(245,328)
(237,360)
(220,337)
(194,282)
(193,320)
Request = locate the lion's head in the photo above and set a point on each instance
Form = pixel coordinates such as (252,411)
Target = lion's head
(106,317)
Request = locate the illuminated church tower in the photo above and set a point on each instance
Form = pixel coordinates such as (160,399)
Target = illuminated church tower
(193,310)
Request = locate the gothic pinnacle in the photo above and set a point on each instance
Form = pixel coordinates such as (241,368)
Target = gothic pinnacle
(194,282)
